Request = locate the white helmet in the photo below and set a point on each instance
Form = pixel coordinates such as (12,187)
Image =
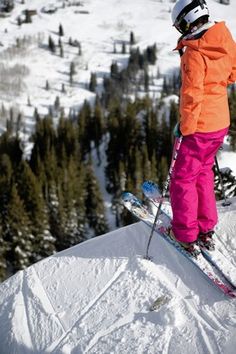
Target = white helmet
(186,12)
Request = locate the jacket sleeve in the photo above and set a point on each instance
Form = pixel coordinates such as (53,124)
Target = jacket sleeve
(192,90)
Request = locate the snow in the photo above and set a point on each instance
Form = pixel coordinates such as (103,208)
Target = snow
(95,297)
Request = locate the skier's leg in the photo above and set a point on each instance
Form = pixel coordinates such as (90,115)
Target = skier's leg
(183,192)
(207,212)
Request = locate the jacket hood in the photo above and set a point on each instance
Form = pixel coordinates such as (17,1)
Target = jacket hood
(215,43)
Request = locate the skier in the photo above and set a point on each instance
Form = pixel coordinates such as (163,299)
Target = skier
(208,65)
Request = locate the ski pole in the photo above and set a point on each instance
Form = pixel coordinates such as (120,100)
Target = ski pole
(226,202)
(177,144)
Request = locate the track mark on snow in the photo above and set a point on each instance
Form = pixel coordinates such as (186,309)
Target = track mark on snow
(90,305)
(47,302)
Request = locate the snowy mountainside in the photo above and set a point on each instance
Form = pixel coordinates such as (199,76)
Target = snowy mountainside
(95,298)
(96,30)
(27,65)
(97,25)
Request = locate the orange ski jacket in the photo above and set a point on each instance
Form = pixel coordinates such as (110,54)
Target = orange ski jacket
(208,65)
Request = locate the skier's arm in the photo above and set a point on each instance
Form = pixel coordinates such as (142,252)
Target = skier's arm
(192,90)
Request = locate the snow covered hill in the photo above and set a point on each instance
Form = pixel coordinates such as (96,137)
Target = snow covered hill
(95,298)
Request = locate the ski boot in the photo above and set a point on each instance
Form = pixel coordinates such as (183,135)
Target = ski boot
(205,240)
(190,247)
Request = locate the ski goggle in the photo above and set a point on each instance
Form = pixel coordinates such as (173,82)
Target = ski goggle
(182,26)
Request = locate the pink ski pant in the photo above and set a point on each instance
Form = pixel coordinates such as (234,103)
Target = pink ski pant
(192,185)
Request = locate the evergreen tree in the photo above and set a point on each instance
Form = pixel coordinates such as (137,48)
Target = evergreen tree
(98,127)
(51,44)
(30,192)
(63,90)
(57,103)
(11,146)
(123,51)
(18,232)
(36,114)
(58,215)
(138,170)
(152,132)
(43,139)
(162,171)
(114,70)
(126,128)
(93,82)
(165,87)
(84,125)
(61,30)
(67,206)
(72,72)
(95,209)
(67,145)
(6,176)
(132,38)
(47,86)
(73,205)
(165,139)
(54,205)
(3,251)
(151,54)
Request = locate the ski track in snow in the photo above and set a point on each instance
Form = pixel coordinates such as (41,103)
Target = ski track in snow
(38,305)
(90,306)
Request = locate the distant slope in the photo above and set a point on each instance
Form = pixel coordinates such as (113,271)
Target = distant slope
(94,298)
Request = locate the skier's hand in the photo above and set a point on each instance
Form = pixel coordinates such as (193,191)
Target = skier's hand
(177,133)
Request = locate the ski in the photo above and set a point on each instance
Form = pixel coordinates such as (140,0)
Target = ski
(140,211)
(215,257)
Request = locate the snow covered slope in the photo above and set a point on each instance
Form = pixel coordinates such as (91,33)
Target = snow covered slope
(95,298)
